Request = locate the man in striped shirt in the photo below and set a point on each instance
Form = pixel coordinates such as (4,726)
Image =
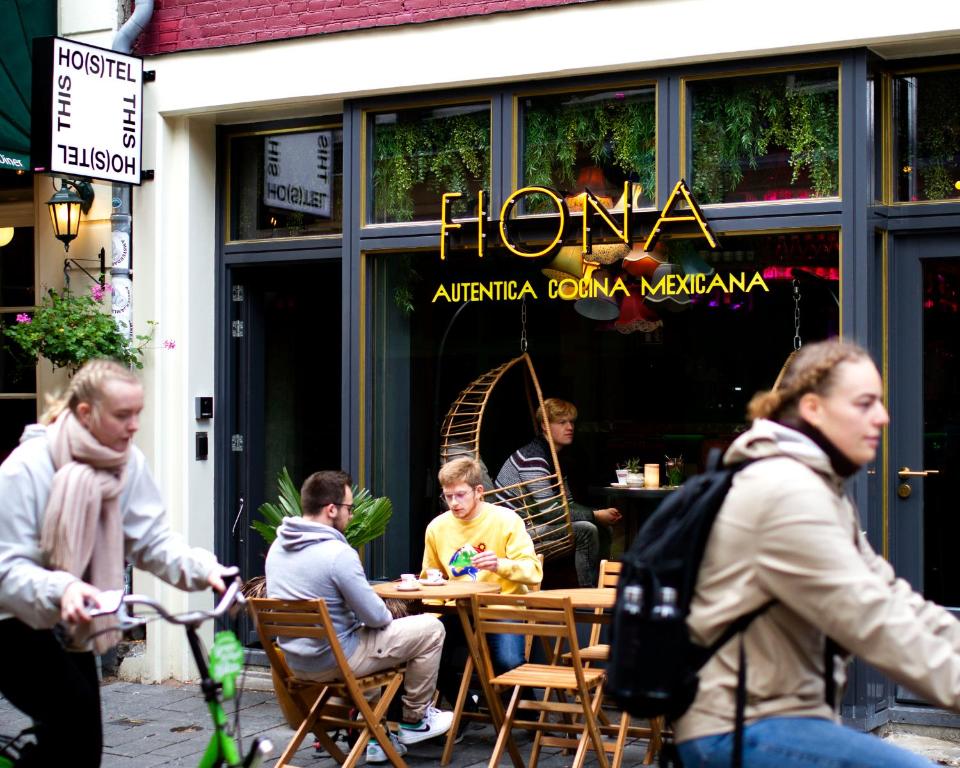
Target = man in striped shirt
(532,465)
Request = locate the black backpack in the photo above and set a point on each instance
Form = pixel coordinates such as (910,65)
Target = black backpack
(654,665)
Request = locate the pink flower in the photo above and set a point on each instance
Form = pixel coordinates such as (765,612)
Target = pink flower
(169,344)
(23,317)
(97,291)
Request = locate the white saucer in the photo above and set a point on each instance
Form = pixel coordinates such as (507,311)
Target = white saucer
(404,588)
(618,485)
(428,583)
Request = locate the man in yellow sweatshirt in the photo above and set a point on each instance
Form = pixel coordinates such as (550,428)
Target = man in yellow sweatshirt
(483,542)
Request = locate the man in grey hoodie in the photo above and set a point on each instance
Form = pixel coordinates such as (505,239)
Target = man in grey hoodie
(311,558)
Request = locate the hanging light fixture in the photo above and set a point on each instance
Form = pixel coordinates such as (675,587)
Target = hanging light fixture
(6,235)
(66,205)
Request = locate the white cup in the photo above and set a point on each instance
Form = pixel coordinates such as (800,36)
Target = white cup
(408,578)
(434,574)
(621,477)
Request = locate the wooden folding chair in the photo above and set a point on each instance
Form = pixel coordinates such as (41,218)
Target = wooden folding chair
(551,619)
(459,712)
(310,618)
(596,652)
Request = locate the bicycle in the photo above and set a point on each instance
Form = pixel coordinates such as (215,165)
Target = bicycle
(218,669)
(14,748)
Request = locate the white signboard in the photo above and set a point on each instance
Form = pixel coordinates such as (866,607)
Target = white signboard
(96,113)
(297,172)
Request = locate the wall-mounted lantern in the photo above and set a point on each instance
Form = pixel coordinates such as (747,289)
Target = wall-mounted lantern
(66,205)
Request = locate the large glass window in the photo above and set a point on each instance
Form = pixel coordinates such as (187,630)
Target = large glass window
(286,184)
(589,140)
(765,137)
(669,371)
(927,143)
(418,154)
(18,378)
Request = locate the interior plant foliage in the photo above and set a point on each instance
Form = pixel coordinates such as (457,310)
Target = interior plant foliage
(559,136)
(447,154)
(370,514)
(68,329)
(938,135)
(737,122)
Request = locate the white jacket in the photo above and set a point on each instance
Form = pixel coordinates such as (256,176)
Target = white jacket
(31,592)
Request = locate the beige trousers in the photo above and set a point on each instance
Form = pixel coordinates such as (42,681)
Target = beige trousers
(413,640)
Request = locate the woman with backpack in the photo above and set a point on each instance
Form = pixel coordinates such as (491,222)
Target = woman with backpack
(788,535)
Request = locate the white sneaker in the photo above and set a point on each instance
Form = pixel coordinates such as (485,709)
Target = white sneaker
(435,723)
(375,753)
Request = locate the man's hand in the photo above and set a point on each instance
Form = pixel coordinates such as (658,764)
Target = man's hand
(486,561)
(607,516)
(75,600)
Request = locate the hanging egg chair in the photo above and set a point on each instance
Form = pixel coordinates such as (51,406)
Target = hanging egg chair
(541,503)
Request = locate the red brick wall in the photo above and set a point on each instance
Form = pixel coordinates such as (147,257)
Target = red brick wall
(179,25)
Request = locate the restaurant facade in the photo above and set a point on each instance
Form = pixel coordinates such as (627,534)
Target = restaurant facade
(344,230)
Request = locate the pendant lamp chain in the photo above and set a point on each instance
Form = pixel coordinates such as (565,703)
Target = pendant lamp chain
(797,343)
(523,324)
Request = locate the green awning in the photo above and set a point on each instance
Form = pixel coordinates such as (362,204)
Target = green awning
(20,22)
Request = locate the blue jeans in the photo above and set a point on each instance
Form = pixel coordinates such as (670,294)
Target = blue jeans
(799,742)
(506,652)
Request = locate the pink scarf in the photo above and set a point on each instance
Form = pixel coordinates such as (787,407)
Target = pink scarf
(82,529)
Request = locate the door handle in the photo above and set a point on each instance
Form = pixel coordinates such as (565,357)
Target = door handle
(907,472)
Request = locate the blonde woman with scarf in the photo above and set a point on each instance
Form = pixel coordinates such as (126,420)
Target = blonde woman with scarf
(76,501)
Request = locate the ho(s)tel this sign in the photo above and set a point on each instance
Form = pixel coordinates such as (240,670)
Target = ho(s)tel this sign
(297,169)
(87,111)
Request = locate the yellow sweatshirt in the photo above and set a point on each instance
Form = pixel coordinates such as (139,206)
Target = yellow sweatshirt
(451,543)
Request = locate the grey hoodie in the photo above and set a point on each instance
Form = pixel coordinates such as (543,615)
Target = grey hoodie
(310,560)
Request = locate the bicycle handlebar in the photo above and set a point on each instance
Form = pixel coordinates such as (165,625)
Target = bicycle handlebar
(195,618)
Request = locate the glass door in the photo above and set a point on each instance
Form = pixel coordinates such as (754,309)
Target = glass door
(285,388)
(925,429)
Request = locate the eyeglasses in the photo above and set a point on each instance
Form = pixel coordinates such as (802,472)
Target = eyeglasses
(338,504)
(458,496)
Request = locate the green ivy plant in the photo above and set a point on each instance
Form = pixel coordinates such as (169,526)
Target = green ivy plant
(559,137)
(449,154)
(938,135)
(68,329)
(736,123)
(369,521)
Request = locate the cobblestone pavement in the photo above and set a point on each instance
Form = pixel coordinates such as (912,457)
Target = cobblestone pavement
(168,725)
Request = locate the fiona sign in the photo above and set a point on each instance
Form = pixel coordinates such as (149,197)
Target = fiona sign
(672,214)
(680,212)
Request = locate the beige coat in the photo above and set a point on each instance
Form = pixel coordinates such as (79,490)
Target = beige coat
(787,531)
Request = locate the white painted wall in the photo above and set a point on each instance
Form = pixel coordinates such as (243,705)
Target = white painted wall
(173,283)
(575,39)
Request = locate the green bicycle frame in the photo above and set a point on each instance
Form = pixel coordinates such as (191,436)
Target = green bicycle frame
(226,662)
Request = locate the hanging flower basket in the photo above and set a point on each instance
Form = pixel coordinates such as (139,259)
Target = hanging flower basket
(68,329)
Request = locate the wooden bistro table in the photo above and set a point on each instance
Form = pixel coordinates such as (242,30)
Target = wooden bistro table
(459,593)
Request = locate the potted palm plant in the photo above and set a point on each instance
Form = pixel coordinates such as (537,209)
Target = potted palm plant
(370,517)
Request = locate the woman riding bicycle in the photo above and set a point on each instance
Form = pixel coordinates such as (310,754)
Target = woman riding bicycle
(76,501)
(788,536)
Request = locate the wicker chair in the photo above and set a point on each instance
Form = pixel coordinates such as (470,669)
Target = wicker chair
(541,503)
